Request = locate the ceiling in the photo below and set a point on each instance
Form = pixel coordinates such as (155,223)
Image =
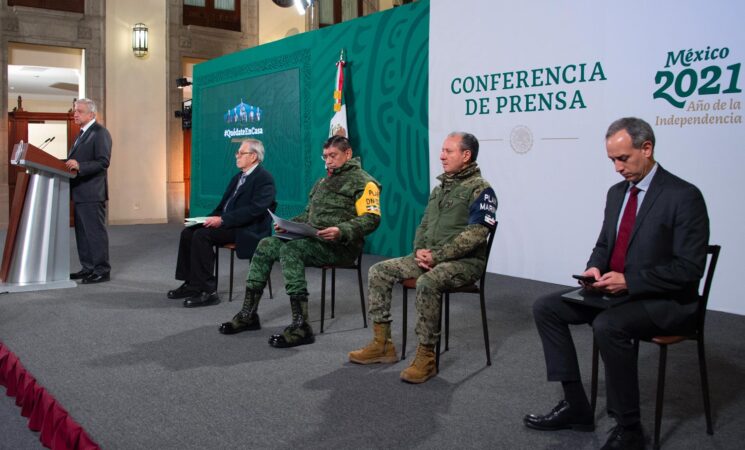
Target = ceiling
(43,83)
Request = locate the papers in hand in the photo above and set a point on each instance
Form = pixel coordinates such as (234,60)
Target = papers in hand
(191,221)
(292,230)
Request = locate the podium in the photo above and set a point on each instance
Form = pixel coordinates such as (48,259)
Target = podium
(37,246)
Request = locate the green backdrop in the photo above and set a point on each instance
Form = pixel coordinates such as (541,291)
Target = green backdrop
(291,83)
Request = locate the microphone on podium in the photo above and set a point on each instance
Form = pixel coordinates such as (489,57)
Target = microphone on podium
(47,142)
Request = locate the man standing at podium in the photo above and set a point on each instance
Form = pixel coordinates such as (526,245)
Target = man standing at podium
(89,159)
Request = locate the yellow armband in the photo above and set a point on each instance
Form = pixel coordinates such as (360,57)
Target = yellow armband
(369,203)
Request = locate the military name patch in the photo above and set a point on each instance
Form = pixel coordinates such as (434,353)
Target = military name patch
(369,203)
(484,209)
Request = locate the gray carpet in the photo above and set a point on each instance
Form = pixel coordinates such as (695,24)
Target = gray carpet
(139,371)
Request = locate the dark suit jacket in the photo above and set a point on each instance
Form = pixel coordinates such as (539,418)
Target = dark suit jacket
(666,256)
(247,212)
(92,152)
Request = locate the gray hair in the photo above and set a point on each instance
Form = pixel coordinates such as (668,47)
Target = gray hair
(255,146)
(639,130)
(467,142)
(90,104)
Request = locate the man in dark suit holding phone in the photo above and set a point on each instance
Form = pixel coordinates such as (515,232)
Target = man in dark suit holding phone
(652,247)
(241,217)
(89,159)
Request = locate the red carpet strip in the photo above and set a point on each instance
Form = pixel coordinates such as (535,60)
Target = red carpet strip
(44,413)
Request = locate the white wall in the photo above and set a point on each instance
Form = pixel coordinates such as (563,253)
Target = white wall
(33,105)
(276,23)
(39,133)
(136,113)
(36,55)
(549,168)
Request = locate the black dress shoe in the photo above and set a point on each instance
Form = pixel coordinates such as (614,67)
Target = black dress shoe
(625,439)
(560,418)
(241,322)
(96,278)
(182,291)
(202,299)
(80,275)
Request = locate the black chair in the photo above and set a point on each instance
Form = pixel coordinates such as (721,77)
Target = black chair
(231,247)
(410,283)
(357,265)
(663,342)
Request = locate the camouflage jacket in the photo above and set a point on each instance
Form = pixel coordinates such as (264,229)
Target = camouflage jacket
(459,215)
(348,199)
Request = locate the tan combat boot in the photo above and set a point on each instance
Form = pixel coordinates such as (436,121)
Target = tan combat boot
(423,367)
(380,350)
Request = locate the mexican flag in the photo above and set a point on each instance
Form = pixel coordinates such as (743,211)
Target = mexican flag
(338,124)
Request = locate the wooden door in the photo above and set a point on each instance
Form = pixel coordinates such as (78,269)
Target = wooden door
(18,121)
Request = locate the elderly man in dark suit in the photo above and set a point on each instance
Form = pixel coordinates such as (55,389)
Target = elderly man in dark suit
(652,248)
(89,159)
(241,217)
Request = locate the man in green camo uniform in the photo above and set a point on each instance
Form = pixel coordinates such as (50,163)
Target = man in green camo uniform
(345,207)
(449,252)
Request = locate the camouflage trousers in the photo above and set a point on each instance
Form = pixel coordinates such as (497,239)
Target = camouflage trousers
(294,257)
(429,286)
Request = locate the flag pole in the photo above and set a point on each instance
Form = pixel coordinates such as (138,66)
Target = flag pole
(338,124)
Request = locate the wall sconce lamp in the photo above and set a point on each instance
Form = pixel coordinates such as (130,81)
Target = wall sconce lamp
(302,5)
(139,40)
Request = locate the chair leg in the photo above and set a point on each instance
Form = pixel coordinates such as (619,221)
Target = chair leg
(660,395)
(439,339)
(486,329)
(232,260)
(704,383)
(323,296)
(594,377)
(404,321)
(333,291)
(217,267)
(362,295)
(447,322)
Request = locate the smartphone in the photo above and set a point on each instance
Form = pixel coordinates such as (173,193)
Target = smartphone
(585,279)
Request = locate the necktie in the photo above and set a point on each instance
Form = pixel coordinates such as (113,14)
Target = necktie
(238,186)
(75,144)
(618,257)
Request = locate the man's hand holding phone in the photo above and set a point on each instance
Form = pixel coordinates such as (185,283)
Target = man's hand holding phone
(585,278)
(588,277)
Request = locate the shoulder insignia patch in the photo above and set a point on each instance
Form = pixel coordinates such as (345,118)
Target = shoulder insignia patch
(483,210)
(369,202)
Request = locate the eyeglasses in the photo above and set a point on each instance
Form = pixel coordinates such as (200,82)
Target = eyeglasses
(238,154)
(331,156)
